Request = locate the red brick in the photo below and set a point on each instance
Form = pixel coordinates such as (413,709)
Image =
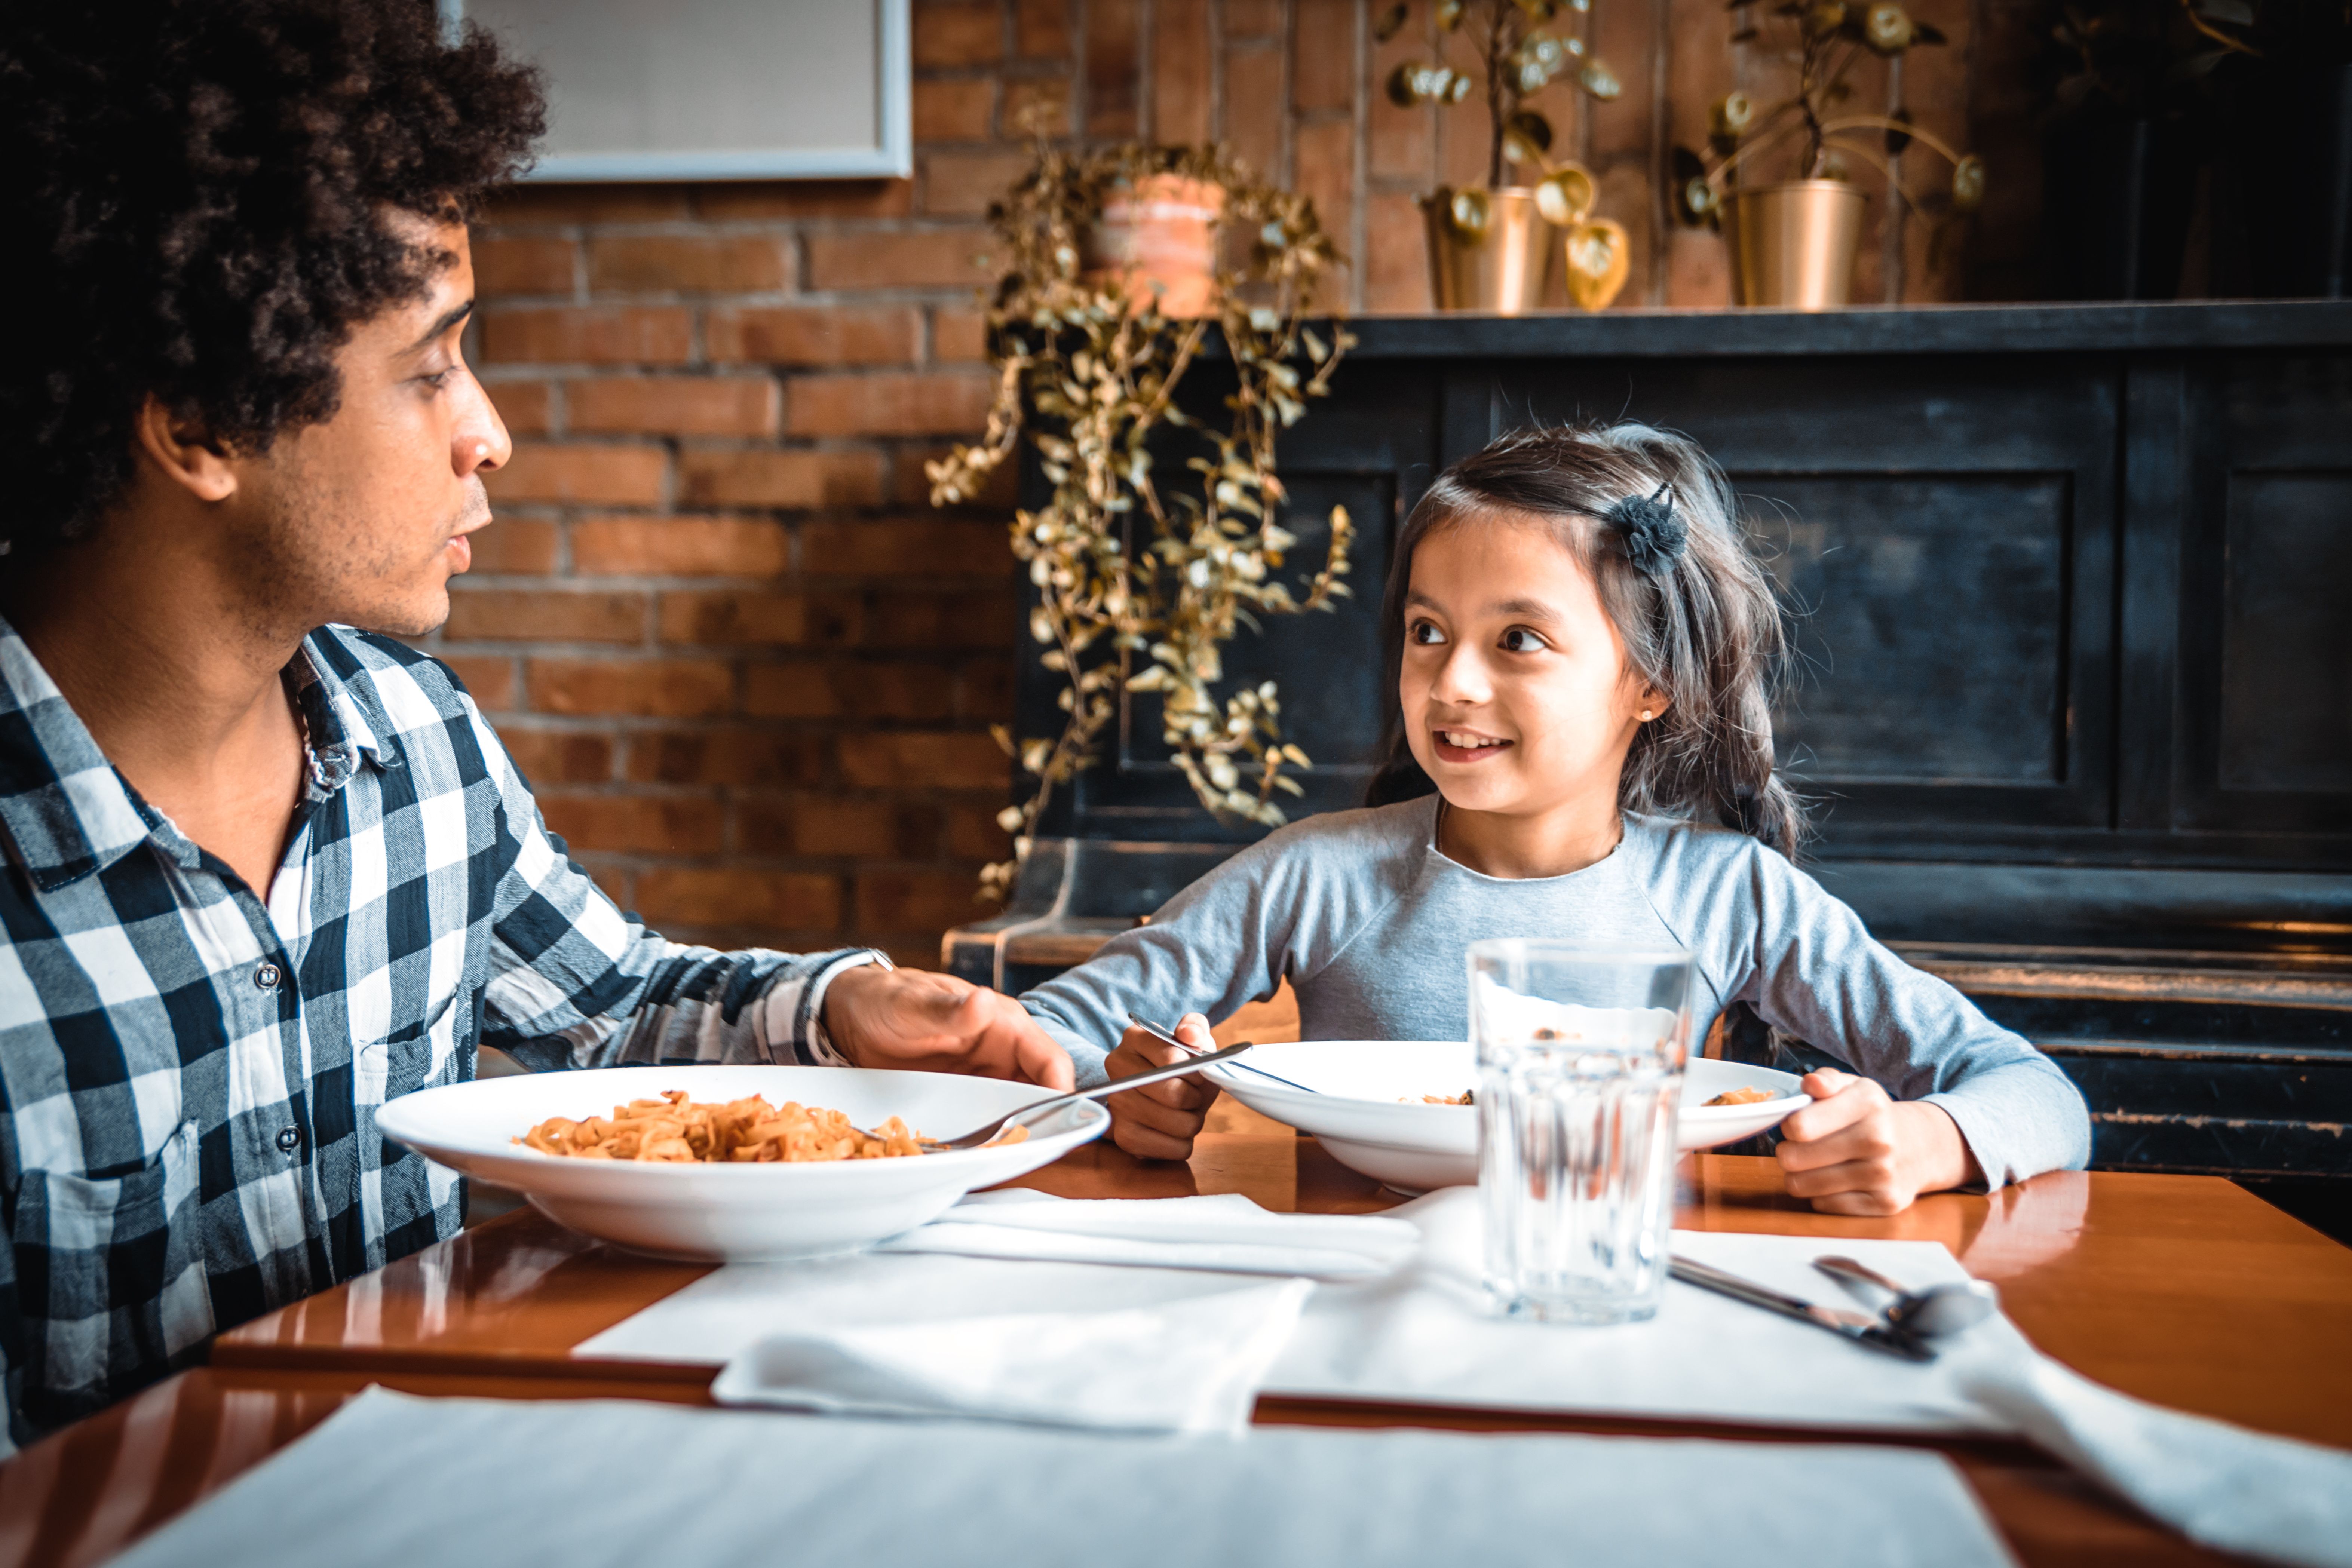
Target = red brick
(675,405)
(958,335)
(1253,18)
(909,486)
(523,264)
(1400,142)
(788,479)
(966,619)
(1323,60)
(1396,258)
(1034,103)
(581,335)
(929,259)
(1180,71)
(614,476)
(490,678)
(972,834)
(813,334)
(1254,111)
(519,206)
(515,544)
(708,264)
(1041,28)
(1325,154)
(806,198)
(916,901)
(984,689)
(679,547)
(966,184)
(635,824)
(954,110)
(558,756)
(739,616)
(922,692)
(923,761)
(915,403)
(525,407)
(968,34)
(681,686)
(918,547)
(817,825)
(791,899)
(731,756)
(1114,50)
(518,615)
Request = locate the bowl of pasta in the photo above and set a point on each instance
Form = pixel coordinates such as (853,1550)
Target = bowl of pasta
(734,1163)
(1404,1111)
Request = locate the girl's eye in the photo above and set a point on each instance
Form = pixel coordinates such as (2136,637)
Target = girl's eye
(1425,634)
(1518,639)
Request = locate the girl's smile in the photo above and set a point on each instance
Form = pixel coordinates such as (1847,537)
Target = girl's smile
(1459,744)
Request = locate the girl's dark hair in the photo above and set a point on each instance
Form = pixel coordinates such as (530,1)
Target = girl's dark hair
(1705,629)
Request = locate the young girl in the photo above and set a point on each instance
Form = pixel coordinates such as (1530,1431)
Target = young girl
(1582,748)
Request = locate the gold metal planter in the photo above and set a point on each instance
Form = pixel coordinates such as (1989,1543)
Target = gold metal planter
(1792,246)
(1488,250)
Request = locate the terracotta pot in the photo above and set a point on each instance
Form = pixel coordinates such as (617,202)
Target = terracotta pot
(1488,250)
(1159,236)
(1792,246)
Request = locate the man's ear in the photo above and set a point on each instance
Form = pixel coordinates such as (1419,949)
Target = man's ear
(185,451)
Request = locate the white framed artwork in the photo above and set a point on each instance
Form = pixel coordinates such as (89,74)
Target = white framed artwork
(713,89)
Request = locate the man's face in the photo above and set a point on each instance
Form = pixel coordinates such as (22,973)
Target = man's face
(362,520)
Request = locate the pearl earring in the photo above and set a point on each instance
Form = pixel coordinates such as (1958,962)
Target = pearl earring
(1645,715)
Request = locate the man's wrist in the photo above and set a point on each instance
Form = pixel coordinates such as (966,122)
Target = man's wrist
(825,1044)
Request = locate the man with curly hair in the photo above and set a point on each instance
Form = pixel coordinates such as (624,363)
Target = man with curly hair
(263,867)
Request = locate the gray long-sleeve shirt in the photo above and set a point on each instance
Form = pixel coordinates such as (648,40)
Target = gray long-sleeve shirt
(1368,922)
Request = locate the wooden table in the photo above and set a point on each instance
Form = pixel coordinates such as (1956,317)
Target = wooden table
(2183,1289)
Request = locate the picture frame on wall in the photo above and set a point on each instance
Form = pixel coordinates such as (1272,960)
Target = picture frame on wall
(713,89)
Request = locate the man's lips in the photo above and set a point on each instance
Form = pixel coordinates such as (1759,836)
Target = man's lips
(1482,748)
(462,550)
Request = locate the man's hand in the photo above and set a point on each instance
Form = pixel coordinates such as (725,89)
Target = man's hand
(1854,1150)
(915,1019)
(1159,1120)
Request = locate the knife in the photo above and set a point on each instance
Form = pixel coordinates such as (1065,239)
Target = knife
(1875,1332)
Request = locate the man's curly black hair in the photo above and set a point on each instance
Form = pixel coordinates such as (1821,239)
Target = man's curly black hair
(202,193)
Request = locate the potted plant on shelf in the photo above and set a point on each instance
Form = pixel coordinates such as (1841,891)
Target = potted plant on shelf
(1793,240)
(1141,579)
(1490,247)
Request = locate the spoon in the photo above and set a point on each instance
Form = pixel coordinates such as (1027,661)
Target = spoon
(989,1131)
(1931,1313)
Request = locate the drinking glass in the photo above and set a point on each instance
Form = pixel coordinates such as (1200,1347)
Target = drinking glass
(1580,1054)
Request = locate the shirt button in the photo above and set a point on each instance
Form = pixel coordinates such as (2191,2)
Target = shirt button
(267,977)
(290,1139)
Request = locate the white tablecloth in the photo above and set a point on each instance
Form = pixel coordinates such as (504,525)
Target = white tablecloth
(397,1480)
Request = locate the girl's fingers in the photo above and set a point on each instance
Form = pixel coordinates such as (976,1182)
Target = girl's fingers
(1139,1108)
(1147,1143)
(1840,1100)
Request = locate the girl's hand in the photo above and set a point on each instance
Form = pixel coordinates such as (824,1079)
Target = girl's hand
(1854,1150)
(1159,1120)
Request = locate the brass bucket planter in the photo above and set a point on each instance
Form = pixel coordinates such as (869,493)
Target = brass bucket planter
(1488,250)
(1793,245)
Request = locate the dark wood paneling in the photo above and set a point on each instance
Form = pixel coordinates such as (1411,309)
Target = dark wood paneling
(2286,651)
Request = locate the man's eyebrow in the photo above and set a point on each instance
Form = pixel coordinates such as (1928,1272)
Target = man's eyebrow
(433,332)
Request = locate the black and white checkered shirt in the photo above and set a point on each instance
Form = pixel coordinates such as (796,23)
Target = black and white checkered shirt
(190,1067)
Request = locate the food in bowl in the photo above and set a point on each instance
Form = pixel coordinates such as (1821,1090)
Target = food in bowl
(1462,1099)
(676,1130)
(1744,1096)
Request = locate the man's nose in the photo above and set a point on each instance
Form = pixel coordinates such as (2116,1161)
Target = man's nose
(480,442)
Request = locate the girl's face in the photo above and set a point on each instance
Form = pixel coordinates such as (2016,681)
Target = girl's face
(1516,693)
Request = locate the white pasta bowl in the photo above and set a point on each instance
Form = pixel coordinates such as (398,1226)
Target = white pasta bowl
(738,1213)
(1362,1100)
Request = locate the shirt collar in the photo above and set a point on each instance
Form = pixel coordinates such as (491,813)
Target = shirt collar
(68,814)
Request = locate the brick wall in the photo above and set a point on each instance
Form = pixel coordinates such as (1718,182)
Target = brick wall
(750,671)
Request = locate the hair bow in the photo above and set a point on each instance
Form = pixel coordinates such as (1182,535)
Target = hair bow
(1653,534)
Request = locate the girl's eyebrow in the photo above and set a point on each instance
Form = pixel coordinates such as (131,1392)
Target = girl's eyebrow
(1531,609)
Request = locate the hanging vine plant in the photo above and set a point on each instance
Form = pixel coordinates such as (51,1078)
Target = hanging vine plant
(1141,576)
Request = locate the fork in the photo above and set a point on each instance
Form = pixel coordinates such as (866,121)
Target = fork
(1168,1037)
(989,1131)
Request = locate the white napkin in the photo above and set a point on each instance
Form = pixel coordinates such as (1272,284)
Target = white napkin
(2218,1484)
(1194,1368)
(1225,1232)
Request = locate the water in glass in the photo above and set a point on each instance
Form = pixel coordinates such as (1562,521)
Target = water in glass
(1581,1056)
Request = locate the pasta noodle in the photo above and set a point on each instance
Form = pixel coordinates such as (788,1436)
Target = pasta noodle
(1742,1097)
(678,1131)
